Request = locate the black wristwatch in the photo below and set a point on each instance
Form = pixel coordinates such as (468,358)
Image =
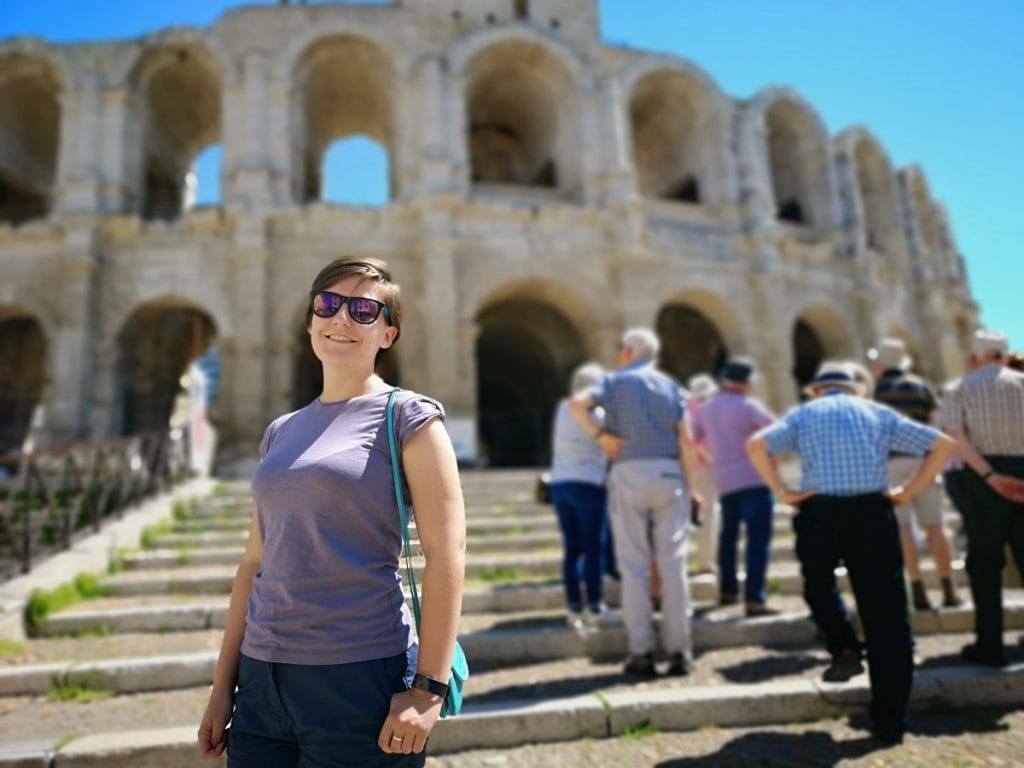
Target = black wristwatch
(430,685)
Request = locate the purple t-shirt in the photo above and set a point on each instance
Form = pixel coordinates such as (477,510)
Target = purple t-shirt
(328,590)
(726,421)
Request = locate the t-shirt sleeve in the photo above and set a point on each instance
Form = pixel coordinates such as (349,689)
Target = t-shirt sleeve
(782,435)
(912,437)
(414,413)
(950,410)
(269,435)
(759,415)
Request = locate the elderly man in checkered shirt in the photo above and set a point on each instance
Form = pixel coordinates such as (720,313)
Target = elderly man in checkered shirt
(984,413)
(846,513)
(648,442)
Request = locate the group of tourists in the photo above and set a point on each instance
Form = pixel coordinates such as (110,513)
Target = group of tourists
(636,455)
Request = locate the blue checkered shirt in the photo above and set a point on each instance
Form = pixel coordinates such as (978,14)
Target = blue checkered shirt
(644,406)
(844,441)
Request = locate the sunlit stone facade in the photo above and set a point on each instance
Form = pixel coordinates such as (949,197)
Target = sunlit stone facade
(547,191)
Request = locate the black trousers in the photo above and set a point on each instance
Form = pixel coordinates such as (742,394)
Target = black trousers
(993,521)
(862,533)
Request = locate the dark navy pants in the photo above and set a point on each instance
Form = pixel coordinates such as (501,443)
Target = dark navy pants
(305,716)
(583,517)
(862,533)
(993,521)
(752,506)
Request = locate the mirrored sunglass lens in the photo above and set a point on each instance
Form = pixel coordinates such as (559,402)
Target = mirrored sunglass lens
(363,310)
(326,304)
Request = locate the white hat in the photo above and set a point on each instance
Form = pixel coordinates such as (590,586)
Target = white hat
(891,353)
(702,386)
(988,343)
(833,374)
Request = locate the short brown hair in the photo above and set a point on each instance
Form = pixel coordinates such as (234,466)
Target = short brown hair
(372,270)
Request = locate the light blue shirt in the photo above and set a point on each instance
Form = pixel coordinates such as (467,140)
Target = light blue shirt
(844,442)
(575,455)
(644,406)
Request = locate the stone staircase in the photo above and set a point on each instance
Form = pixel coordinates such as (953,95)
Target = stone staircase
(142,655)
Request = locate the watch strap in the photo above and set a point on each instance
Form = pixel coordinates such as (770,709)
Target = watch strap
(430,685)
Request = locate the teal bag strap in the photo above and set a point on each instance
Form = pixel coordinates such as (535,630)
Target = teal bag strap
(400,501)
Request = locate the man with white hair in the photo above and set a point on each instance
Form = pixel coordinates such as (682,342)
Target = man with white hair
(912,396)
(649,485)
(984,413)
(845,514)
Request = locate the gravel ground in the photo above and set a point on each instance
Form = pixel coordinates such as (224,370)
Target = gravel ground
(972,737)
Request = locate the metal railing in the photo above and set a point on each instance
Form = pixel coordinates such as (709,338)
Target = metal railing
(51,498)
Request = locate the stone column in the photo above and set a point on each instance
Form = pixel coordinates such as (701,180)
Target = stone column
(423,108)
(248,122)
(119,152)
(78,174)
(246,380)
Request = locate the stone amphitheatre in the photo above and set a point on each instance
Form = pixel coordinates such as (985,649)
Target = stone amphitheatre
(547,190)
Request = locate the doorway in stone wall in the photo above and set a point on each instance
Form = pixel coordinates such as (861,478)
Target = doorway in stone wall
(690,343)
(525,353)
(155,346)
(22,377)
(808,352)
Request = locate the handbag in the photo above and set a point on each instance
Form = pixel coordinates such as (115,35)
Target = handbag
(452,703)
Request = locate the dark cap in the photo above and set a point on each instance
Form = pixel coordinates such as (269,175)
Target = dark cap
(739,370)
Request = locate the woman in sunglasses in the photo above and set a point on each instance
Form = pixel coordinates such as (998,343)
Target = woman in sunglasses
(318,639)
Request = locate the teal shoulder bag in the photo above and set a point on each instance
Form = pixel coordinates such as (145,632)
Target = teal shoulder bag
(460,668)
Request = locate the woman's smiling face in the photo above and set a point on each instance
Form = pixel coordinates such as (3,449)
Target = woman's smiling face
(339,340)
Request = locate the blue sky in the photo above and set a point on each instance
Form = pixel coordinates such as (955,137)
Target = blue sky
(939,82)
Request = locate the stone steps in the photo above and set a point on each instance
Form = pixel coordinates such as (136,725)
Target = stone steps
(491,640)
(534,677)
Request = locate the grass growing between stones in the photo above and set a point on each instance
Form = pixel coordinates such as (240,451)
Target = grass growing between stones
(10,647)
(42,603)
(639,730)
(499,574)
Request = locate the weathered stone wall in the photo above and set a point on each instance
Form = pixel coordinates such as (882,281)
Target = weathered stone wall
(547,191)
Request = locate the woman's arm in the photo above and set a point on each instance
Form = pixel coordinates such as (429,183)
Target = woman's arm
(433,476)
(212,739)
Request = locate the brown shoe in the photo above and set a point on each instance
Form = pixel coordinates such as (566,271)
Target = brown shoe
(845,665)
(761,609)
(641,665)
(728,598)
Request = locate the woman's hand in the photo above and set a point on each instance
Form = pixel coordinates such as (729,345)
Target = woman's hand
(213,735)
(410,721)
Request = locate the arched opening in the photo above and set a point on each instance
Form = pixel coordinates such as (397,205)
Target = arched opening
(878,197)
(30,129)
(180,103)
(22,377)
(521,118)
(690,343)
(344,85)
(798,164)
(356,172)
(203,180)
(525,352)
(155,346)
(674,137)
(308,375)
(808,353)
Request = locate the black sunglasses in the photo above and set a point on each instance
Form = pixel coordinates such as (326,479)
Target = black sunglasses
(362,310)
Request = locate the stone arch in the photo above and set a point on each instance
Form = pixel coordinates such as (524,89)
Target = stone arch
(796,149)
(155,345)
(676,123)
(23,374)
(523,124)
(526,349)
(343,88)
(818,333)
(30,116)
(179,95)
(879,199)
(698,331)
